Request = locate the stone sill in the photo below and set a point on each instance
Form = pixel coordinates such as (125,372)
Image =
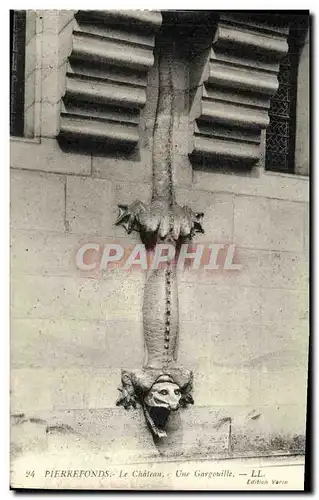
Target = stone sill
(304,178)
(32,140)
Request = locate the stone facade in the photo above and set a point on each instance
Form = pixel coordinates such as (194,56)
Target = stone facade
(244,335)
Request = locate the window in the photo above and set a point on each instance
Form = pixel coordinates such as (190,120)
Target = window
(281,133)
(17,71)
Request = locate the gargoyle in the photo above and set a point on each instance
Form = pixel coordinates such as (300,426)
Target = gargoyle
(162,386)
(158,393)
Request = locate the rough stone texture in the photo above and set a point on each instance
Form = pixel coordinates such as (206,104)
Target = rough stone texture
(90,203)
(47,156)
(302,157)
(264,184)
(269,224)
(244,334)
(137,168)
(76,343)
(37,201)
(76,298)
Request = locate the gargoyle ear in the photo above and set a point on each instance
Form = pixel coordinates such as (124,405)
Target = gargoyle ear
(186,399)
(126,218)
(123,213)
(186,390)
(198,222)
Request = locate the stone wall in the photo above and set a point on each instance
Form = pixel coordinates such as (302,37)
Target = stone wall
(244,334)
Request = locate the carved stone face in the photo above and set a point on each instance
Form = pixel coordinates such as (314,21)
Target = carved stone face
(164,394)
(162,399)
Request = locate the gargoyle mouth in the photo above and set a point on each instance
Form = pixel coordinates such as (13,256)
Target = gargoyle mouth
(156,417)
(198,223)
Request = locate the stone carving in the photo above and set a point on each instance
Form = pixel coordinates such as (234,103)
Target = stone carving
(106,76)
(233,80)
(159,392)
(160,220)
(162,386)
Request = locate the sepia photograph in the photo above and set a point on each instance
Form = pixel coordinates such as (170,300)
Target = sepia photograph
(159,250)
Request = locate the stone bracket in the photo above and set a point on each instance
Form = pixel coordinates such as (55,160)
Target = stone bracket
(106,77)
(230,106)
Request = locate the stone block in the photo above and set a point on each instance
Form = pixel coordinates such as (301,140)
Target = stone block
(91,206)
(218,213)
(283,306)
(103,388)
(242,346)
(31,55)
(264,430)
(260,268)
(112,430)
(37,200)
(26,436)
(55,254)
(221,386)
(126,192)
(65,343)
(65,16)
(204,302)
(65,37)
(31,17)
(278,386)
(204,431)
(123,436)
(50,49)
(49,157)
(269,184)
(195,337)
(137,170)
(50,21)
(81,298)
(281,345)
(53,83)
(284,270)
(217,345)
(58,389)
(50,119)
(29,121)
(27,381)
(29,94)
(44,252)
(268,224)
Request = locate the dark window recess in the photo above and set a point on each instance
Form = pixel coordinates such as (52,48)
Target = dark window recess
(281,132)
(17,66)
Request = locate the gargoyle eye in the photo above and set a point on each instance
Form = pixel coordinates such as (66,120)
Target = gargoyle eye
(177,392)
(164,392)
